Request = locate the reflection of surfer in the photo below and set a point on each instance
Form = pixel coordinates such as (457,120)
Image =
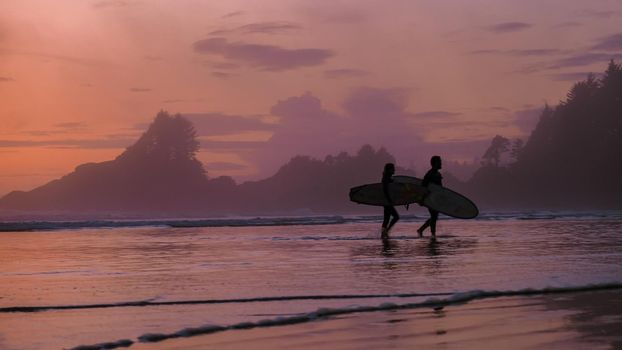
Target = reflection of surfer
(432,176)
(389,210)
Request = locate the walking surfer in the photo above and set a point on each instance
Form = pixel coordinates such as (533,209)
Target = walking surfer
(389,210)
(432,176)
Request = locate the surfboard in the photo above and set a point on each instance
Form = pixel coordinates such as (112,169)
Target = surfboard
(408,190)
(444,200)
(402,193)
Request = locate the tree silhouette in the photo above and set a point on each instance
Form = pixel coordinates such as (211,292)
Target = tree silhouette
(582,91)
(498,146)
(572,158)
(168,138)
(517,148)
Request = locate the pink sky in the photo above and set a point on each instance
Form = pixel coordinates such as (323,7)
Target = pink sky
(268,79)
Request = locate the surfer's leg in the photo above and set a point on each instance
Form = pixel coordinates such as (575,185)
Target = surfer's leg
(387,216)
(385,221)
(423,227)
(431,222)
(396,217)
(433,219)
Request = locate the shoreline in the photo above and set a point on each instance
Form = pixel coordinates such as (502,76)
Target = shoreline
(546,311)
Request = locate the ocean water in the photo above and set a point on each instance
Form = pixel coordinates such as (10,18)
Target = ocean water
(63,285)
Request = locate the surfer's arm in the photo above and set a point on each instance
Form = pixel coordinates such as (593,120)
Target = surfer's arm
(426,181)
(426,191)
(385,189)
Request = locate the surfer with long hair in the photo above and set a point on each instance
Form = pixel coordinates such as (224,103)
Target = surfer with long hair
(389,210)
(433,176)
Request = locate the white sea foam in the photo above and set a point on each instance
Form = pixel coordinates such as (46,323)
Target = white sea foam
(123,343)
(17,226)
(153,302)
(322,313)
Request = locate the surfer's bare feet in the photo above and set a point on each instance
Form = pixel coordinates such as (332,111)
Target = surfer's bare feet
(420,232)
(384,233)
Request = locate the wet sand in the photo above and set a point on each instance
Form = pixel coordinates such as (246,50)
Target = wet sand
(580,320)
(93,286)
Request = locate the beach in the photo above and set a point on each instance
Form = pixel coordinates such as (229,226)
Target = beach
(521,280)
(583,320)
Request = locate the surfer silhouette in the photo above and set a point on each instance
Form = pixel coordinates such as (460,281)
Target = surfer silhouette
(432,176)
(389,210)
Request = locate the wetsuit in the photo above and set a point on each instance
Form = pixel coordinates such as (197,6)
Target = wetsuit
(433,176)
(389,210)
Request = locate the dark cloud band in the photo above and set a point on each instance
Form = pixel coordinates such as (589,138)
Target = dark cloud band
(265,57)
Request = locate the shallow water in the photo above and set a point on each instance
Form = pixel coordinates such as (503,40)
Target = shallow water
(585,320)
(210,264)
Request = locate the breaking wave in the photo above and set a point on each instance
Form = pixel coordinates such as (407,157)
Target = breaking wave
(322,313)
(18,226)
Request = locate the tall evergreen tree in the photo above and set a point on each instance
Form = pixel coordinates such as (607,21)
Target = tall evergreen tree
(498,146)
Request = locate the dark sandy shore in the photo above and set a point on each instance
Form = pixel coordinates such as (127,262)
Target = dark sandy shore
(581,320)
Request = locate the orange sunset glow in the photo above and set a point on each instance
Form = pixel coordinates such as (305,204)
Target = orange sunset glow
(310,174)
(266,80)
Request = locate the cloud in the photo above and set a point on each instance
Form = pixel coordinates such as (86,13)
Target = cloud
(58,129)
(305,127)
(573,76)
(305,110)
(599,14)
(534,52)
(182,100)
(260,28)
(110,3)
(224,166)
(569,24)
(222,75)
(109,142)
(6,79)
(265,57)
(584,59)
(153,58)
(336,13)
(382,105)
(374,116)
(499,109)
(233,14)
(70,125)
(139,89)
(371,116)
(508,27)
(485,52)
(212,124)
(518,52)
(436,114)
(345,73)
(610,43)
(60,58)
(456,149)
(224,65)
(345,17)
(38,133)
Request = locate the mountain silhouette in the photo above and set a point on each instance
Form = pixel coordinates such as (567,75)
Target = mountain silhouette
(571,160)
(159,173)
(159,176)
